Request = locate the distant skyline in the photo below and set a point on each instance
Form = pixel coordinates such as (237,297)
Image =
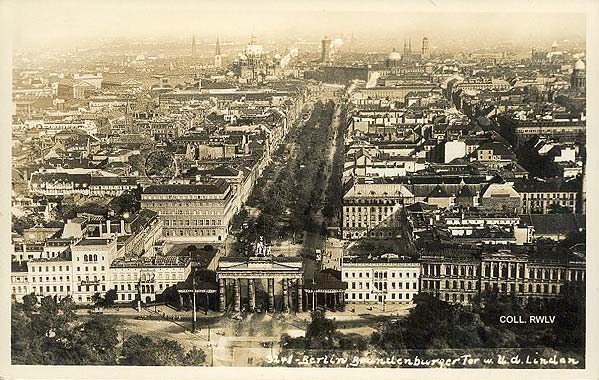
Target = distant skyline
(68,23)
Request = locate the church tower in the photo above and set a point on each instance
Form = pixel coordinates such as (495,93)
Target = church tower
(193,46)
(218,60)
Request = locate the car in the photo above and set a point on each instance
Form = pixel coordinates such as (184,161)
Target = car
(96,311)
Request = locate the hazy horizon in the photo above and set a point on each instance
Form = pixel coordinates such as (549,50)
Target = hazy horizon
(69,24)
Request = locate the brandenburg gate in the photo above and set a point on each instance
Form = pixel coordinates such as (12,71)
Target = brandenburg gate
(235,274)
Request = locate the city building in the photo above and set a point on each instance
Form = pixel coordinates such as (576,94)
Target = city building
(192,212)
(388,278)
(462,275)
(547,196)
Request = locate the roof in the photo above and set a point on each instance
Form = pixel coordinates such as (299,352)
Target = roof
(141,220)
(438,192)
(211,188)
(112,181)
(536,186)
(497,147)
(204,280)
(554,224)
(94,241)
(157,261)
(324,280)
(420,207)
(500,190)
(464,193)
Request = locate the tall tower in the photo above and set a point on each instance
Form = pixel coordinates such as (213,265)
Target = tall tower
(193,46)
(425,48)
(325,49)
(218,61)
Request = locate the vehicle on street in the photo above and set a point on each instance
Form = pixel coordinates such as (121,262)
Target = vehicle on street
(95,311)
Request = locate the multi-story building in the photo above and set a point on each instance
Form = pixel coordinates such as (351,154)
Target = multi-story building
(51,276)
(450,274)
(518,132)
(192,212)
(458,274)
(371,208)
(90,263)
(144,279)
(90,268)
(538,197)
(386,278)
(19,281)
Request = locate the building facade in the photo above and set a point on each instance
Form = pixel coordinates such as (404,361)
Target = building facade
(373,208)
(461,274)
(384,279)
(192,212)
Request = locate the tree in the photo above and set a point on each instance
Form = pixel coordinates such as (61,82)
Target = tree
(144,351)
(96,341)
(110,297)
(321,332)
(556,208)
(128,201)
(49,333)
(20,224)
(239,218)
(97,299)
(138,350)
(194,357)
(137,163)
(266,226)
(29,302)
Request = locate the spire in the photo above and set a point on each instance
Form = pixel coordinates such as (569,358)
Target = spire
(217,52)
(410,45)
(193,46)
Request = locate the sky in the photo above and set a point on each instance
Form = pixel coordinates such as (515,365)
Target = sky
(38,23)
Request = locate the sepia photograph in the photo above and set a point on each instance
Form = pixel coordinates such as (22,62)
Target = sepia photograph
(275,185)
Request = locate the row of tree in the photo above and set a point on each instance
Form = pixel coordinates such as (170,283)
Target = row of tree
(334,193)
(48,332)
(289,196)
(435,327)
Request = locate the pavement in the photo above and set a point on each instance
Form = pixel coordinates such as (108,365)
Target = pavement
(246,342)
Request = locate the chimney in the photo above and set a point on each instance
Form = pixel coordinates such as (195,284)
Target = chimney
(108,227)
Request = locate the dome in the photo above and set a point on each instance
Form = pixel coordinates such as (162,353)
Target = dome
(394,56)
(579,65)
(254,50)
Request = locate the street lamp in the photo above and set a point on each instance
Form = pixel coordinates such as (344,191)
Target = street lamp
(194,313)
